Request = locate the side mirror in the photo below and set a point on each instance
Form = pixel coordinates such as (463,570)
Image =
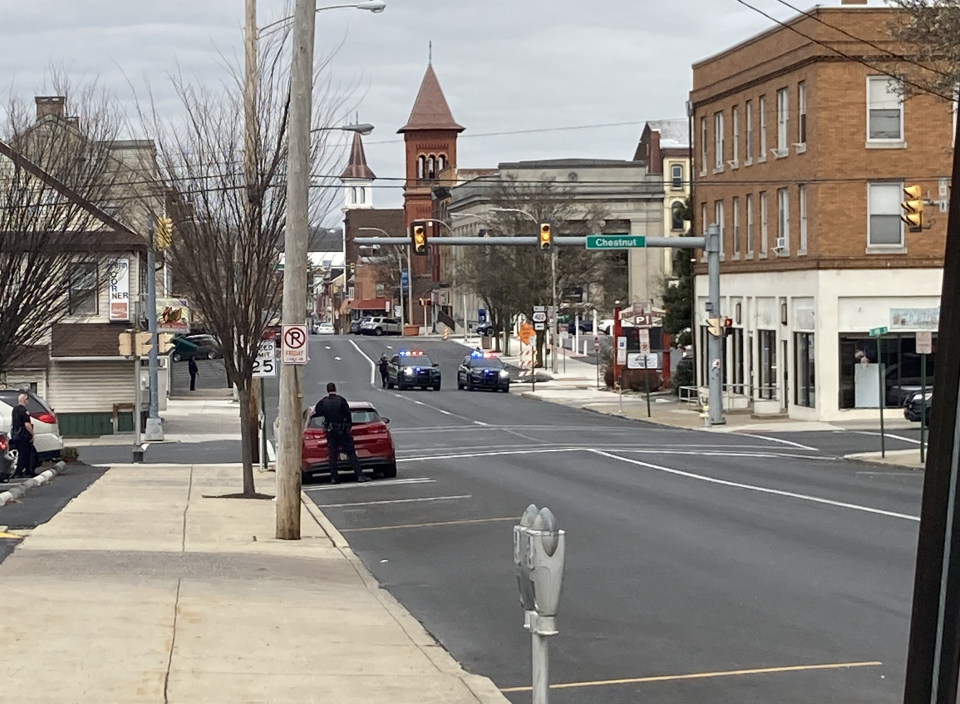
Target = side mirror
(436,365)
(385,420)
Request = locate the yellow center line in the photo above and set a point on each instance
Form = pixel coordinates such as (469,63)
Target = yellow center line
(431,525)
(706,675)
(10,536)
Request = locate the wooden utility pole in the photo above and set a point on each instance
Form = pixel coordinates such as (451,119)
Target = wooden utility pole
(251,151)
(295,267)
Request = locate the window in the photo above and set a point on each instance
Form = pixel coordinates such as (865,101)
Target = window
(762,116)
(783,222)
(748,155)
(802,108)
(718,219)
(676,177)
(82,294)
(749,206)
(803,221)
(676,216)
(885,228)
(718,141)
(703,219)
(703,145)
(421,165)
(442,162)
(363,195)
(763,224)
(767,354)
(735,124)
(380,290)
(782,106)
(884,110)
(805,370)
(736,228)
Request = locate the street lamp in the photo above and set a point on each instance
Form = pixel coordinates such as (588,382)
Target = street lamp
(553,275)
(374,6)
(362,129)
(400,241)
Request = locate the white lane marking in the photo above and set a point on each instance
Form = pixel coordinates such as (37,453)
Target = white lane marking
(371,485)
(914,473)
(397,501)
(781,441)
(760,489)
(895,437)
(477,422)
(446,413)
(421,403)
(327,347)
(722,453)
(373,367)
(337,358)
(473,455)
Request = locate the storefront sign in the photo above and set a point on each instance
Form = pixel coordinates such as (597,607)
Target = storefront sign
(173,316)
(120,289)
(914,318)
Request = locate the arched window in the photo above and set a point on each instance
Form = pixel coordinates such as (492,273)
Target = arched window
(676,210)
(421,166)
(676,177)
(356,194)
(442,161)
(363,195)
(431,167)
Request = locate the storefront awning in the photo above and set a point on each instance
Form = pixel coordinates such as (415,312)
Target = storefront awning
(371,304)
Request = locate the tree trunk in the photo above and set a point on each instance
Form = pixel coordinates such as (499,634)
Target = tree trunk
(253,409)
(243,390)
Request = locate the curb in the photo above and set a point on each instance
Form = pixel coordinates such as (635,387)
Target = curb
(482,688)
(42,478)
(857,459)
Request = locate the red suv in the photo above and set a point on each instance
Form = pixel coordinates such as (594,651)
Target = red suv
(371,437)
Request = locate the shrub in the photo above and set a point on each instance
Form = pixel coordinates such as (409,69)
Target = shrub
(70,454)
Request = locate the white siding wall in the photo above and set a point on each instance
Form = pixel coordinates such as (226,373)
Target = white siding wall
(90,387)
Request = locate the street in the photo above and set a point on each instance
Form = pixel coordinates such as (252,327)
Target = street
(700,566)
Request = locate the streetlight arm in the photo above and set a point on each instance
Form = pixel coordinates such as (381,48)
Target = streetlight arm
(375,6)
(514,210)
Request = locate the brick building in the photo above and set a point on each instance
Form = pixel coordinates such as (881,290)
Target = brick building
(803,144)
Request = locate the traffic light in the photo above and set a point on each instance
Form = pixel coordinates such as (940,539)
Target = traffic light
(164,233)
(715,326)
(727,327)
(126,344)
(912,209)
(418,237)
(164,343)
(546,236)
(353,268)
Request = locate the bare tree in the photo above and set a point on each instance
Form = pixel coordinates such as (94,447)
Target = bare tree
(931,28)
(58,176)
(228,231)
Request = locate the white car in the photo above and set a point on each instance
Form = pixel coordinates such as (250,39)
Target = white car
(325,329)
(605,326)
(381,326)
(46,438)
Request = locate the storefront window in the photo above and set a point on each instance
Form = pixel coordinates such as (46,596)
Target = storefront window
(735,347)
(898,352)
(805,357)
(767,353)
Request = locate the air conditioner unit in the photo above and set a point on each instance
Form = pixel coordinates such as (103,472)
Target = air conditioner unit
(781,245)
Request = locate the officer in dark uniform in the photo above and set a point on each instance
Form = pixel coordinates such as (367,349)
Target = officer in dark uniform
(337,422)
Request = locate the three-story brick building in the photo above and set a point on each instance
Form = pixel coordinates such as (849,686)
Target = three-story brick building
(803,146)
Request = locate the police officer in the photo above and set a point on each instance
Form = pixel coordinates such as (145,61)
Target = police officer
(337,422)
(383,365)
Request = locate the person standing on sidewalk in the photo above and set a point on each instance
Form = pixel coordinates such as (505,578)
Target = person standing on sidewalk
(194,371)
(337,422)
(382,365)
(21,437)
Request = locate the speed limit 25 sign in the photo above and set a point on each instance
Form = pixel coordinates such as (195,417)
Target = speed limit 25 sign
(265,364)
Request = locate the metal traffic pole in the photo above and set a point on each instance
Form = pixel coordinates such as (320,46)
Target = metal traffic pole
(713,344)
(923,408)
(881,402)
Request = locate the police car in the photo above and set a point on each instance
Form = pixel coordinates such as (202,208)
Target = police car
(482,370)
(410,368)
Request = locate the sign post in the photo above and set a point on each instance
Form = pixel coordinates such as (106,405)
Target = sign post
(924,347)
(881,400)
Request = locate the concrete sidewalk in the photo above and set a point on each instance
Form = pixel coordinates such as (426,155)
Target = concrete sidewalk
(147,589)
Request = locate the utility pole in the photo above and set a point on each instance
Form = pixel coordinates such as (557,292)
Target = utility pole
(715,373)
(154,429)
(251,144)
(294,268)
(556,311)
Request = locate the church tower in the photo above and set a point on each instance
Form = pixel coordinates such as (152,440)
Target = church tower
(357,179)
(430,136)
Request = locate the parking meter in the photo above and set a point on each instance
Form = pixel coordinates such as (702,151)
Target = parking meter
(547,551)
(521,560)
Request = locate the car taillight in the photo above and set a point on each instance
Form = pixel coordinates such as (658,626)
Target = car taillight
(45,417)
(3,442)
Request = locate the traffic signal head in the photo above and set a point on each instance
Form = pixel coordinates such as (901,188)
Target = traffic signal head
(418,237)
(912,209)
(545,240)
(164,233)
(125,344)
(727,326)
(164,342)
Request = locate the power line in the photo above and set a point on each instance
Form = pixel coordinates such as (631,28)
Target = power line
(879,70)
(531,131)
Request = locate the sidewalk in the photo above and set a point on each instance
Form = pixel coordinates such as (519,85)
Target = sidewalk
(898,458)
(143,590)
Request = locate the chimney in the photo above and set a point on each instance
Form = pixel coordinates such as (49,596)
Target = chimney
(54,105)
(853,2)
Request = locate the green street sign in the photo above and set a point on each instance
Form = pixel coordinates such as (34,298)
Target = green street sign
(615,242)
(877,332)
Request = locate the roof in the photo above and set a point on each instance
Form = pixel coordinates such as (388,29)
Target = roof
(357,166)
(566,163)
(430,110)
(361,406)
(86,339)
(674,134)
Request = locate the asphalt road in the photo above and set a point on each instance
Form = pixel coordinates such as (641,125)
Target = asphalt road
(700,567)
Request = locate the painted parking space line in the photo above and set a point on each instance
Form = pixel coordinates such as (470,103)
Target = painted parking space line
(707,675)
(366,486)
(761,489)
(436,524)
(396,501)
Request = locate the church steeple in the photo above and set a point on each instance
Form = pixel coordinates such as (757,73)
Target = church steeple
(357,178)
(430,110)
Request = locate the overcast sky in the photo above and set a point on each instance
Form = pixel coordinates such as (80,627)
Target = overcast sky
(505,65)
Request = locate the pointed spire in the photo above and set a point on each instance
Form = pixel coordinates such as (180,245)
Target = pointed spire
(357,166)
(430,110)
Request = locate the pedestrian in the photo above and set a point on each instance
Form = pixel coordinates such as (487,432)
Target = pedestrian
(21,437)
(337,422)
(194,371)
(383,364)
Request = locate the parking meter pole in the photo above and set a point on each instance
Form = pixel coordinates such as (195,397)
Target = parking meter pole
(263,426)
(620,393)
(714,342)
(540,668)
(137,400)
(646,382)
(880,403)
(923,408)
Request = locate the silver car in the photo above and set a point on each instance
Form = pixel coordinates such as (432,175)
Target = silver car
(46,439)
(381,326)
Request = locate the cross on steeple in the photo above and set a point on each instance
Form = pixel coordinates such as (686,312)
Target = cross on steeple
(430,55)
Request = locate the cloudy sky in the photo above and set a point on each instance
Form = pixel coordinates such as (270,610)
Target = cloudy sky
(505,65)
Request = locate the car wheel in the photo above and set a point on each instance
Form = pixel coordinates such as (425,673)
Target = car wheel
(469,386)
(401,387)
(506,389)
(459,385)
(436,387)
(177,357)
(390,471)
(378,332)
(389,384)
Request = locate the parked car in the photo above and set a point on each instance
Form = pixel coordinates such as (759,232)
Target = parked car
(485,329)
(356,324)
(586,327)
(381,326)
(914,405)
(209,343)
(480,370)
(325,329)
(46,439)
(196,347)
(7,462)
(605,326)
(371,437)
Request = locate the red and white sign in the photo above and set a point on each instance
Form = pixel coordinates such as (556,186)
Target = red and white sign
(295,344)
(596,343)
(644,341)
